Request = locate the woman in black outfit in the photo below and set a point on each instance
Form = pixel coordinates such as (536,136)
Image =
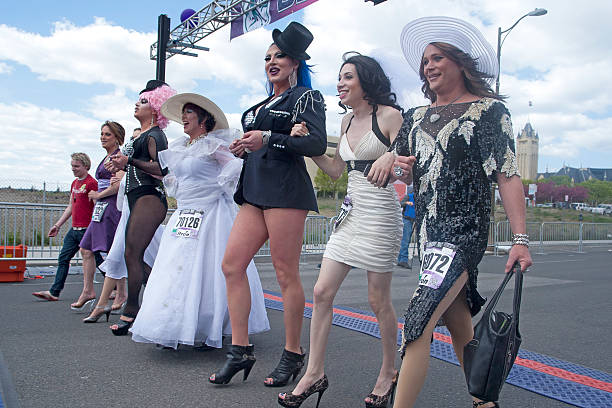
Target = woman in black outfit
(145,192)
(275,194)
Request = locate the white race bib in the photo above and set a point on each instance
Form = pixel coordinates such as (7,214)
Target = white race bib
(436,263)
(187,224)
(98,211)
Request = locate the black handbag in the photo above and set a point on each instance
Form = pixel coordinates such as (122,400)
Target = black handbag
(489,356)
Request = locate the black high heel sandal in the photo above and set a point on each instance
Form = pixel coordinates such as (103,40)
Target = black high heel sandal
(123,326)
(289,365)
(294,401)
(238,358)
(477,404)
(381,401)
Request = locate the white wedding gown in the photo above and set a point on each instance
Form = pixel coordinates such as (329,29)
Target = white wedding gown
(185,299)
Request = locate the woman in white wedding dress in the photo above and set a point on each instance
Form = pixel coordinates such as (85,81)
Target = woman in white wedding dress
(185,299)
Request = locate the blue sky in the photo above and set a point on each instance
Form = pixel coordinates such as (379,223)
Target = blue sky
(67,66)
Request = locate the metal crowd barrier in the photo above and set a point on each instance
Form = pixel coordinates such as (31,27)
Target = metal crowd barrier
(29,223)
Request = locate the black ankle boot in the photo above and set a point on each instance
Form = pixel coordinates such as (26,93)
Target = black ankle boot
(238,358)
(289,365)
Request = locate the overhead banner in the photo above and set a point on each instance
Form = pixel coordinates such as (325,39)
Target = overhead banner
(265,14)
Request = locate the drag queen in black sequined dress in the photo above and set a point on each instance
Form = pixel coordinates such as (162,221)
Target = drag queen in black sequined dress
(452,149)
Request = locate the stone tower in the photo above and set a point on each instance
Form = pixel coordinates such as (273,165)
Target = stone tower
(527,152)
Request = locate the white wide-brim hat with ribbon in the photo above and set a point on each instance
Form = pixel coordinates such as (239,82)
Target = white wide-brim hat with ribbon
(421,32)
(173,108)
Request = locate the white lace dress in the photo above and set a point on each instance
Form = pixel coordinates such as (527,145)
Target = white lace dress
(185,299)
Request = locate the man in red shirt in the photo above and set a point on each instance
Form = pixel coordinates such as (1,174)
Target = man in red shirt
(80,209)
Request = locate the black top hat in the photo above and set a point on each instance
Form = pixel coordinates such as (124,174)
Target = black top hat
(294,40)
(153,84)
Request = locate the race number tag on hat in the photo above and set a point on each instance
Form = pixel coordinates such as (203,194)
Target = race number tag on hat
(436,262)
(187,224)
(98,211)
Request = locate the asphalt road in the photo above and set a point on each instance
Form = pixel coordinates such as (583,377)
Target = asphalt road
(57,361)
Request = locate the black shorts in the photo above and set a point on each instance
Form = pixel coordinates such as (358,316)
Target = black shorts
(135,194)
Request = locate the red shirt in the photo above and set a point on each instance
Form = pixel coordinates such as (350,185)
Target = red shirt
(82,206)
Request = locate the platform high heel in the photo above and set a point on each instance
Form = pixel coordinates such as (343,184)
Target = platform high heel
(238,358)
(289,366)
(92,318)
(294,401)
(381,401)
(478,404)
(123,326)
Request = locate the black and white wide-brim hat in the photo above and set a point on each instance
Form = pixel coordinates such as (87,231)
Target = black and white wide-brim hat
(419,33)
(173,108)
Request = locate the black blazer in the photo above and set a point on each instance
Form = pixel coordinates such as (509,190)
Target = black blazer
(275,175)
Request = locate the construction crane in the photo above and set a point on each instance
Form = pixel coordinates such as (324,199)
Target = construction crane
(212,17)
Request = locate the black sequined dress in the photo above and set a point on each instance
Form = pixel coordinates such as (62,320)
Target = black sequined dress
(458,156)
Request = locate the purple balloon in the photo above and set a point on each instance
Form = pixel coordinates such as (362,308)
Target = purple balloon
(185,15)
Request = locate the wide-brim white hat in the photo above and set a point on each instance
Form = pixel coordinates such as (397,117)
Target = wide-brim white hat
(421,32)
(173,108)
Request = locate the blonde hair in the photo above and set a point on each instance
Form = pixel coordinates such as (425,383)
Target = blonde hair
(83,158)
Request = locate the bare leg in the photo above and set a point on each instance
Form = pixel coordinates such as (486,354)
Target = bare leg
(107,288)
(248,234)
(379,295)
(331,276)
(416,358)
(89,269)
(121,295)
(286,229)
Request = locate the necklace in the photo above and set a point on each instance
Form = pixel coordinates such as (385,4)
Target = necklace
(436,115)
(192,141)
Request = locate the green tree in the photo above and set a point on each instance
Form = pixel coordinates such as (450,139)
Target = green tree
(325,183)
(561,180)
(599,191)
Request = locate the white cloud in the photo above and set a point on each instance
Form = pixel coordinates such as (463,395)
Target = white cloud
(568,49)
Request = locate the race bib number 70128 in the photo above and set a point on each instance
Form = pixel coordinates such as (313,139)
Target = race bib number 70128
(436,263)
(187,224)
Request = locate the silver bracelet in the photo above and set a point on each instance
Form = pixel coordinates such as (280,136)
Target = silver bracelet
(265,136)
(520,239)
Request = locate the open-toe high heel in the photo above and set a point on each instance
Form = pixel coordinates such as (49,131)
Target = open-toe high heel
(289,365)
(93,317)
(481,403)
(294,401)
(123,326)
(85,307)
(381,401)
(238,358)
(118,309)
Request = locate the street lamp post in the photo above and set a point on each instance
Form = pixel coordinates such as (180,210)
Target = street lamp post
(500,40)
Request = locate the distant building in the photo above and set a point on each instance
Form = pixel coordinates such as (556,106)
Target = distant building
(578,175)
(527,143)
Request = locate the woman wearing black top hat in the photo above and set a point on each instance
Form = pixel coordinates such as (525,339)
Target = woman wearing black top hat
(145,192)
(275,194)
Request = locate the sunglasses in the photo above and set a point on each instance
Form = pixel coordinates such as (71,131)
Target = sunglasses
(144,101)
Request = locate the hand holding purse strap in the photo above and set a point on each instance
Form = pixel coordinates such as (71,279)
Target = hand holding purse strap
(518,290)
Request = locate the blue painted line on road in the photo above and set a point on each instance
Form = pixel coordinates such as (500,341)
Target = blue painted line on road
(552,386)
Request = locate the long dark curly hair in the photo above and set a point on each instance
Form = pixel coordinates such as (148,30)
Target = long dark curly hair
(475,81)
(374,82)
